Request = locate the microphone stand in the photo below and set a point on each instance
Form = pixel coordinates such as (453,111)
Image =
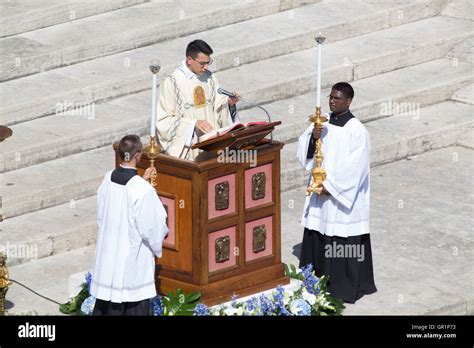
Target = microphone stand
(264,110)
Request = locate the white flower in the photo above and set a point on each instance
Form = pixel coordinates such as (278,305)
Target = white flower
(310,298)
(230,311)
(287,295)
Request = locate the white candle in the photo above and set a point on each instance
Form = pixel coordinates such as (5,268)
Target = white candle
(153,108)
(318,82)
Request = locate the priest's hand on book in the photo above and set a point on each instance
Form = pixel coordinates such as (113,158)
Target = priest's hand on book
(203,126)
(148,173)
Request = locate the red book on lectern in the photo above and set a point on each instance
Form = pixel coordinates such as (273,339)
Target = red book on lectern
(224,130)
(236,136)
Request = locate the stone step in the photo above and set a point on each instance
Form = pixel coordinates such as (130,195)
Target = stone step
(112,76)
(466,140)
(49,231)
(125,29)
(48,276)
(459,9)
(464,95)
(20,16)
(408,136)
(462,51)
(55,182)
(129,114)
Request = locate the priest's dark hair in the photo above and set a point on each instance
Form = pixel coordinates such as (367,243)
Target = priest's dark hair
(198,46)
(345,88)
(129,146)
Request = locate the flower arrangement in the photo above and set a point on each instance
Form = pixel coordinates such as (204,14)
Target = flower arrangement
(310,298)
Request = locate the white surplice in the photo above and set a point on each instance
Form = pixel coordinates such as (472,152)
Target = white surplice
(346,152)
(132,226)
(176,112)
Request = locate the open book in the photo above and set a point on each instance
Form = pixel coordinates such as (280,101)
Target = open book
(224,130)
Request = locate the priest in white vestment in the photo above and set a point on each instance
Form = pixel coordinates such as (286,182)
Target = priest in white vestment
(132,226)
(188,104)
(336,238)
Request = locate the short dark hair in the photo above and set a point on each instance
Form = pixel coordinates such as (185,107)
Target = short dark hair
(198,46)
(129,146)
(345,88)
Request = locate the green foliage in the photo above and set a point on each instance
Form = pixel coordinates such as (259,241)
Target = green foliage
(292,272)
(180,303)
(74,304)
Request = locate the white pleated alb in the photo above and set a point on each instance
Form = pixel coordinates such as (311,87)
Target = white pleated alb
(132,226)
(346,161)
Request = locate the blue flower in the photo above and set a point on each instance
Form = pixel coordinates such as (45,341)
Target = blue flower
(88,281)
(88,305)
(251,305)
(310,281)
(201,310)
(278,300)
(156,306)
(267,306)
(300,307)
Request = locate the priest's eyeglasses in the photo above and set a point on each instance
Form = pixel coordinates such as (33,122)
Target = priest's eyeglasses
(203,64)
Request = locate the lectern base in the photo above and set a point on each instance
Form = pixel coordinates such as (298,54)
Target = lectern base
(222,291)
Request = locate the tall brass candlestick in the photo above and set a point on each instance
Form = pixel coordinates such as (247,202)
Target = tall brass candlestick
(318,172)
(153,149)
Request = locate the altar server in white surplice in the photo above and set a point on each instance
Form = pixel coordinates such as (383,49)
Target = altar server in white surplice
(336,237)
(132,226)
(188,104)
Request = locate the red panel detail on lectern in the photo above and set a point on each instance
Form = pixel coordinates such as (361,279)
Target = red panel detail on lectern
(213,264)
(249,201)
(249,226)
(211,194)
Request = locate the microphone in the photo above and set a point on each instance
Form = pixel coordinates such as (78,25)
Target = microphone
(222,91)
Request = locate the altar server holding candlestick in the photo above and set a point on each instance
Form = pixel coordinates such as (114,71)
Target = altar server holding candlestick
(132,226)
(336,240)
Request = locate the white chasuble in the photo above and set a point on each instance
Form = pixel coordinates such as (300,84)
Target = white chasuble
(346,152)
(183,99)
(132,226)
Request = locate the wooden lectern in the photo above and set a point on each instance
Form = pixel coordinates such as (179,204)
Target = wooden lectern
(223,217)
